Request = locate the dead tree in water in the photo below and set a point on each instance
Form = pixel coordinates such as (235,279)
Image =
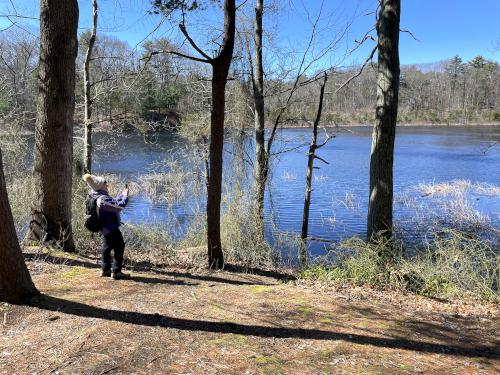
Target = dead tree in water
(310,166)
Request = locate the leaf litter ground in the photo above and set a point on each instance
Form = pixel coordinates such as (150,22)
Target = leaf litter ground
(198,322)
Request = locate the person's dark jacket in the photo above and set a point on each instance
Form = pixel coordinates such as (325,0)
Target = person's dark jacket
(108,210)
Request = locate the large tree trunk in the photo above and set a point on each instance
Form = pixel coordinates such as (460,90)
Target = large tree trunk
(87,150)
(15,280)
(220,70)
(53,154)
(384,131)
(260,174)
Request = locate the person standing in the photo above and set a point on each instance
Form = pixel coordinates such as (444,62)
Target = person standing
(108,211)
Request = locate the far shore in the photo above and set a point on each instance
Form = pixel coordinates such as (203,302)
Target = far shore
(104,129)
(406,125)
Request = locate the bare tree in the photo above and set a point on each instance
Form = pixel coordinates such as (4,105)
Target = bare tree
(310,166)
(384,130)
(283,94)
(87,150)
(18,55)
(258,94)
(220,68)
(15,280)
(53,154)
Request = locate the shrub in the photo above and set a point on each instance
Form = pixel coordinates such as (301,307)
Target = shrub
(452,263)
(240,233)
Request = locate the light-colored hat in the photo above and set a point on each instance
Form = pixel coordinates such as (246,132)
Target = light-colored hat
(95,182)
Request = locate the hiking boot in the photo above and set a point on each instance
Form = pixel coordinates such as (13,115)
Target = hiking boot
(120,276)
(105,273)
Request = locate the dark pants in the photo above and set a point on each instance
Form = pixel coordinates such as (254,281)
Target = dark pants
(112,241)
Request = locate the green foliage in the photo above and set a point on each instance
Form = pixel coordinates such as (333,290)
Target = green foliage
(453,263)
(495,116)
(478,62)
(169,6)
(148,103)
(455,67)
(5,105)
(156,99)
(168,98)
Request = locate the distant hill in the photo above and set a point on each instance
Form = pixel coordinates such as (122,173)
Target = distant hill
(436,66)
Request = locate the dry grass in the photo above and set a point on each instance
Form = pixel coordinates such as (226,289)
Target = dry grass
(166,188)
(458,187)
(449,205)
(461,213)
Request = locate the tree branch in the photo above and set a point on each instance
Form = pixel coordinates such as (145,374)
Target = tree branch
(18,16)
(150,56)
(359,72)
(103,80)
(182,27)
(321,159)
(411,34)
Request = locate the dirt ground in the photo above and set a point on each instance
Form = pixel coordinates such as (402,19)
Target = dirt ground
(175,321)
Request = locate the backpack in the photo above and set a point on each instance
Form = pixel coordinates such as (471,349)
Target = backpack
(92,222)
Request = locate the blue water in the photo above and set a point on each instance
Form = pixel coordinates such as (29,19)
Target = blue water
(422,154)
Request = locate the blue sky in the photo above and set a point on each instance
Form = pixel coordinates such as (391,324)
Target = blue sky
(444,27)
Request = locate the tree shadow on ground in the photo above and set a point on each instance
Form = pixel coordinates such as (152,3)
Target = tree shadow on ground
(143,266)
(154,280)
(280,276)
(231,268)
(403,324)
(156,320)
(47,258)
(208,278)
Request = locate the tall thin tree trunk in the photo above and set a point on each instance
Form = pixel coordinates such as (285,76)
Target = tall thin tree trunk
(464,102)
(220,70)
(384,131)
(110,112)
(215,255)
(87,151)
(53,154)
(310,165)
(15,280)
(239,166)
(260,174)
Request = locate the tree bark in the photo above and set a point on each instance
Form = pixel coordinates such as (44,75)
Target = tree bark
(53,154)
(310,166)
(384,131)
(260,174)
(87,151)
(220,70)
(15,280)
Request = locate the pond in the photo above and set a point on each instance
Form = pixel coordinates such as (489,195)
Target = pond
(430,155)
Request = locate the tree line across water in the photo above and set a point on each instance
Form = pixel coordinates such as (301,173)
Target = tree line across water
(215,89)
(130,87)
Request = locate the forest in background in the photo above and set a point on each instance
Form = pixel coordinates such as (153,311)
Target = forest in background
(142,89)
